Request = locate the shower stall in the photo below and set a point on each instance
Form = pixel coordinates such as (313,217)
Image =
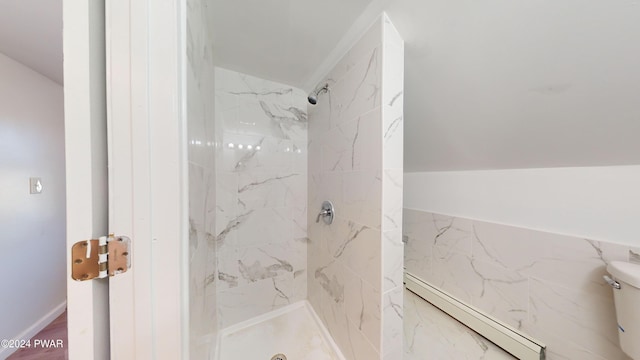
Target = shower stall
(267,277)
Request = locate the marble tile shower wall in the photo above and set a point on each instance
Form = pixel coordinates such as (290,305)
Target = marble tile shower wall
(548,285)
(200,126)
(355,161)
(261,193)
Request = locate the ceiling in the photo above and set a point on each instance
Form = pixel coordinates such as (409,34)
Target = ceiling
(489,84)
(31,33)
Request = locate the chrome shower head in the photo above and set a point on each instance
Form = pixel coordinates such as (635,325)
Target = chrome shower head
(313,97)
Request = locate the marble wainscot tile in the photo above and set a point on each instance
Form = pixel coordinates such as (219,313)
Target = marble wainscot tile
(564,260)
(430,333)
(634,255)
(503,294)
(574,324)
(418,248)
(454,235)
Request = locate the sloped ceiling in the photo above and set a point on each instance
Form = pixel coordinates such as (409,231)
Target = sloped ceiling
(489,84)
(31,33)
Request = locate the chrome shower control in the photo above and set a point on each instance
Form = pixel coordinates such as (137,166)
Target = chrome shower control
(326,213)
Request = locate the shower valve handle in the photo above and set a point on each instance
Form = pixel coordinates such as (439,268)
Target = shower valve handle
(326,213)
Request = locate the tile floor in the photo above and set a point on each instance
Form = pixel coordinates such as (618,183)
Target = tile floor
(430,333)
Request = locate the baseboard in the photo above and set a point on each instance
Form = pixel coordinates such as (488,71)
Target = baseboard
(520,345)
(34,329)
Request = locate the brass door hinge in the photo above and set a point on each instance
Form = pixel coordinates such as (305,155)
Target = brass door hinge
(100,258)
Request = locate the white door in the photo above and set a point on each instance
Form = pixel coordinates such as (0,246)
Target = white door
(126,174)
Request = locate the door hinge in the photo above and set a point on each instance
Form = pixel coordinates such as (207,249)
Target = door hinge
(100,258)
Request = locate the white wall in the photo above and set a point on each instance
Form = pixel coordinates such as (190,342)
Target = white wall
(32,248)
(599,203)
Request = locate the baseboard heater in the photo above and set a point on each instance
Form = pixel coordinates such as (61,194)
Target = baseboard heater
(510,339)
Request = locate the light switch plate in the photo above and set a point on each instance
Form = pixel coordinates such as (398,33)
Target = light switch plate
(35,185)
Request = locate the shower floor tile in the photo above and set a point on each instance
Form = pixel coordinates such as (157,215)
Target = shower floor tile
(293,331)
(430,333)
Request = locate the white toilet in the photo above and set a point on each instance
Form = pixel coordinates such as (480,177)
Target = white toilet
(626,294)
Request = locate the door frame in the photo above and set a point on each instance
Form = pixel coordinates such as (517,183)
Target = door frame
(148,182)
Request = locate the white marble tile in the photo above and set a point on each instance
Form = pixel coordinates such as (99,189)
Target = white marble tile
(503,293)
(265,226)
(393,259)
(417,224)
(432,334)
(244,302)
(330,277)
(261,212)
(265,189)
(393,136)
(455,274)
(358,247)
(392,188)
(586,320)
(361,346)
(335,319)
(418,257)
(253,153)
(329,186)
(254,88)
(392,326)
(359,90)
(362,197)
(634,255)
(201,143)
(354,145)
(196,197)
(363,308)
(454,235)
(548,285)
(391,35)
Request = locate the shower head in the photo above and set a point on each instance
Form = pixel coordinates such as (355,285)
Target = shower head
(313,97)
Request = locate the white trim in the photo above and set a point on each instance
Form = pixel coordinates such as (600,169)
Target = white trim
(510,339)
(34,329)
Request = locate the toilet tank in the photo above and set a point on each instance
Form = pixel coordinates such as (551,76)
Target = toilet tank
(627,302)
